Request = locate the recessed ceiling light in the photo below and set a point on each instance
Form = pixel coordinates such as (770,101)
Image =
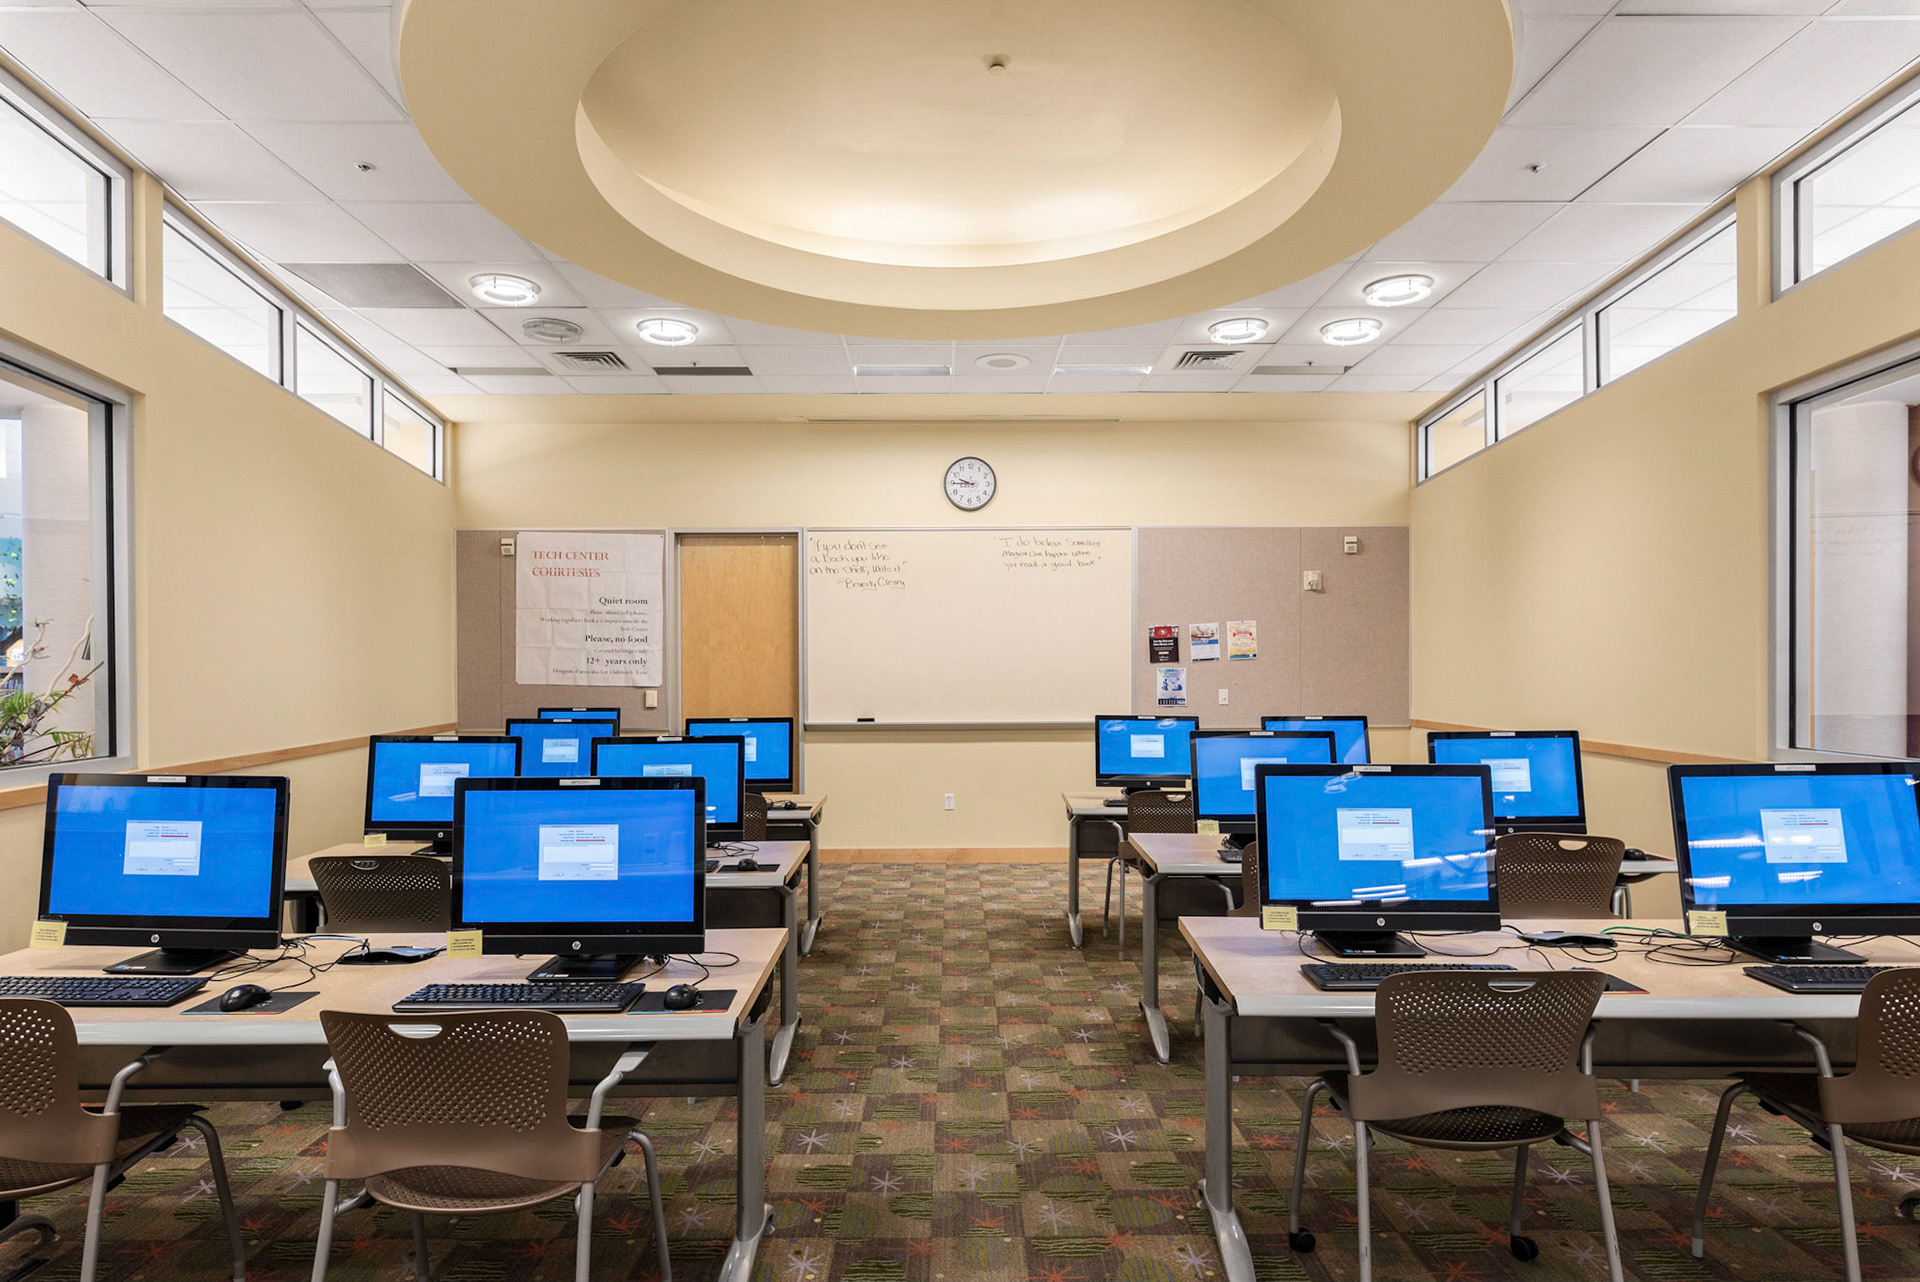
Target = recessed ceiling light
(1118,371)
(551,329)
(504,290)
(1003,361)
(668,331)
(902,371)
(1350,333)
(1244,329)
(1398,291)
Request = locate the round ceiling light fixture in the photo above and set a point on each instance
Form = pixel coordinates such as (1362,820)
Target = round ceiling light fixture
(551,329)
(1242,329)
(667,331)
(504,290)
(1398,291)
(1350,333)
(1003,361)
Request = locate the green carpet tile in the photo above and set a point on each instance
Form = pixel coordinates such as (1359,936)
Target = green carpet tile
(973,1099)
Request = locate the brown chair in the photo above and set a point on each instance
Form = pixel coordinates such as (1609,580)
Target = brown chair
(753,816)
(1149,810)
(1877,1104)
(372,894)
(49,1142)
(469,1119)
(1471,1061)
(1553,874)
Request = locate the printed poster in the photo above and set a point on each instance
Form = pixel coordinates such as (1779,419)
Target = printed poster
(1242,639)
(1203,641)
(1163,643)
(1171,687)
(588,608)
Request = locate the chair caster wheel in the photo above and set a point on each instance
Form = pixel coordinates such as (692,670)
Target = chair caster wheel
(1908,1205)
(1524,1248)
(1301,1242)
(291,1105)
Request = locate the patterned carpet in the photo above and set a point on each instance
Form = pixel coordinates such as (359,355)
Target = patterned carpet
(971,1098)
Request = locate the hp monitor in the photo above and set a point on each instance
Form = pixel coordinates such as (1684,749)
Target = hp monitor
(1536,775)
(610,715)
(1790,850)
(1224,762)
(1363,852)
(598,871)
(1349,733)
(193,865)
(410,780)
(557,748)
(716,761)
(769,742)
(1142,752)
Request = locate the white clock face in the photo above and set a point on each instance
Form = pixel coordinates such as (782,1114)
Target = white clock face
(970,484)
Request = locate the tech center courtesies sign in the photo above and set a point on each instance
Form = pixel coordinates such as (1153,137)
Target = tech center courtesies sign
(587,608)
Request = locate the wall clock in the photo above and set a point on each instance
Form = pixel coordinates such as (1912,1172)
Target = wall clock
(970,484)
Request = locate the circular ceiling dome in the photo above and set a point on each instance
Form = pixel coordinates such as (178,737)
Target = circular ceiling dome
(956,168)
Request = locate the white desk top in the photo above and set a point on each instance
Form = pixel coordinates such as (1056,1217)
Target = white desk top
(806,808)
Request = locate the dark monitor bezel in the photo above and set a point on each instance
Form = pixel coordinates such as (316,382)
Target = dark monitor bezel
(763,786)
(1410,915)
(1366,733)
(1236,821)
(1794,919)
(716,832)
(577,714)
(1141,780)
(433,832)
(568,938)
(549,721)
(169,933)
(1548,822)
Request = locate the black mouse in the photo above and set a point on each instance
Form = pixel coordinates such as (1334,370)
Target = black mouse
(243,997)
(747,864)
(681,997)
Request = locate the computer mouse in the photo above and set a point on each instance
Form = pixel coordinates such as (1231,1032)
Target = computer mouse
(681,997)
(243,997)
(747,864)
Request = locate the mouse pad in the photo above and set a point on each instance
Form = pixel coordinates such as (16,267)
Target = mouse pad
(654,1002)
(272,1006)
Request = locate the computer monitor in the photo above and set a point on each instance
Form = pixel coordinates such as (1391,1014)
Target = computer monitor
(598,871)
(769,740)
(1142,752)
(583,714)
(557,748)
(717,761)
(1363,852)
(1223,767)
(1349,733)
(410,780)
(1791,850)
(192,864)
(1536,775)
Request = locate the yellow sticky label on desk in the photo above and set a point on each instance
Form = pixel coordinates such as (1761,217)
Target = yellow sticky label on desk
(1699,923)
(374,840)
(47,934)
(463,943)
(1279,917)
(1208,827)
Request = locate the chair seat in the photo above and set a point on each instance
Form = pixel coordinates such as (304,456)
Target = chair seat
(139,1127)
(1800,1093)
(465,1190)
(1481,1126)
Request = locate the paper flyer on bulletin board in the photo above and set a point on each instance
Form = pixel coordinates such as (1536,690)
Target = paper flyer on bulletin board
(1242,639)
(1203,641)
(1170,685)
(588,608)
(1163,643)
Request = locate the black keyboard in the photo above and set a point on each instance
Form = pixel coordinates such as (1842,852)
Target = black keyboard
(1364,977)
(1118,802)
(713,865)
(565,998)
(1816,979)
(104,990)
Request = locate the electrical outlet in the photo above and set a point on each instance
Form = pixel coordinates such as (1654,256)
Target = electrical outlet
(1223,698)
(949,801)
(506,547)
(652,698)
(1310,581)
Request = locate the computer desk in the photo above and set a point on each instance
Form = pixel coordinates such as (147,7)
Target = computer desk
(1084,808)
(1262,1018)
(805,814)
(248,1056)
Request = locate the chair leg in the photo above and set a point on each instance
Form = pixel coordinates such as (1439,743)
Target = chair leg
(1710,1165)
(1106,902)
(1364,1198)
(224,1188)
(583,1244)
(1604,1192)
(1522,1246)
(1844,1187)
(1121,929)
(422,1254)
(659,1211)
(323,1244)
(1299,1239)
(15,1225)
(90,1244)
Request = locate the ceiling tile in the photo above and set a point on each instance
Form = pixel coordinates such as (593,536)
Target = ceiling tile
(1317,354)
(1040,356)
(1193,330)
(1285,383)
(1424,362)
(1302,293)
(1462,231)
(1543,42)
(328,156)
(440,385)
(1071,383)
(1375,383)
(898,353)
(1751,8)
(598,291)
(207,161)
(440,232)
(1816,75)
(704,354)
(1471,325)
(1018,382)
(1075,352)
(798,360)
(1861,8)
(86,62)
(298,233)
(1568,160)
(1695,165)
(1649,71)
(707,384)
(1192,381)
(901,385)
(368,36)
(1306,332)
(1596,233)
(1547,8)
(619,385)
(431,329)
(522,385)
(808,384)
(501,354)
(750,333)
(1537,285)
(1159,333)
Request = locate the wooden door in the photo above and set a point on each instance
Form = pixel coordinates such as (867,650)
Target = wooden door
(739,625)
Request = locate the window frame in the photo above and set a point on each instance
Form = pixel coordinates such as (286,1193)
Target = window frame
(283,307)
(117,269)
(321,334)
(1424,438)
(1792,229)
(1712,224)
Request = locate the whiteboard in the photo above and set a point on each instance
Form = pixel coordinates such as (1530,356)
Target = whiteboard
(975,625)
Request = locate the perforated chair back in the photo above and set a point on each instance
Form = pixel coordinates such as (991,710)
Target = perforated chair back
(1551,874)
(1884,1085)
(753,816)
(41,1121)
(486,1090)
(1157,810)
(384,893)
(1459,1039)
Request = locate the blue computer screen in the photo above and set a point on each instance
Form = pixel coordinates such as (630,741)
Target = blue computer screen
(556,749)
(580,714)
(578,855)
(1375,837)
(1784,839)
(163,852)
(717,763)
(1349,733)
(1142,747)
(1224,766)
(412,781)
(1534,776)
(769,754)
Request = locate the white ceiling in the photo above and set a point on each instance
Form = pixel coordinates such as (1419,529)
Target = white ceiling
(1626,120)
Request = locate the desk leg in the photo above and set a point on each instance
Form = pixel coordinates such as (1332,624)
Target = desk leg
(1150,966)
(750,1149)
(813,879)
(1073,880)
(789,989)
(1217,1188)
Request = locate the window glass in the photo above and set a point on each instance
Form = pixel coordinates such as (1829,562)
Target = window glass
(1675,305)
(1863,195)
(408,434)
(208,297)
(1553,377)
(1461,432)
(49,192)
(333,383)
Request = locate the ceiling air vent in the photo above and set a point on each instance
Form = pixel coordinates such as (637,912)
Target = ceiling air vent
(1301,369)
(1209,358)
(591,362)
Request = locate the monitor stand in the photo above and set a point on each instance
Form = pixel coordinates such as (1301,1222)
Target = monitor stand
(1790,950)
(596,968)
(1354,943)
(172,961)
